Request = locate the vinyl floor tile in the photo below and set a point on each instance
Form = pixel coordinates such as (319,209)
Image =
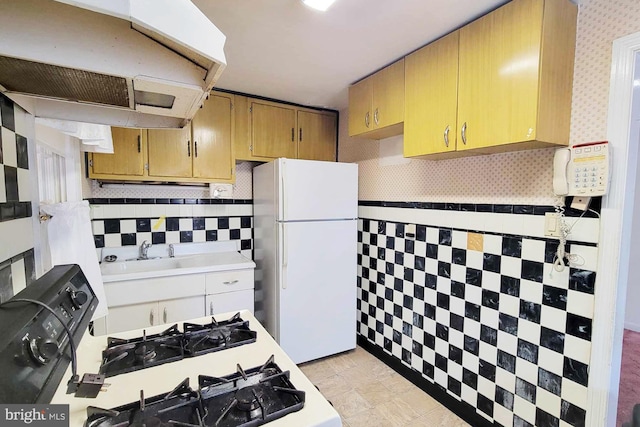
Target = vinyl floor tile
(398,412)
(333,386)
(367,393)
(375,393)
(350,404)
(317,371)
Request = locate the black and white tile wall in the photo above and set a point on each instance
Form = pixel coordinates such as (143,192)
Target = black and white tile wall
(129,222)
(480,316)
(17,267)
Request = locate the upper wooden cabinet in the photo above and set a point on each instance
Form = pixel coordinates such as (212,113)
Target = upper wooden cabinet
(199,152)
(317,135)
(127,158)
(273,130)
(170,152)
(516,75)
(212,131)
(376,104)
(267,130)
(431,98)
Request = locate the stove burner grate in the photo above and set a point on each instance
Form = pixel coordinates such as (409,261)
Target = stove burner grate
(244,399)
(127,355)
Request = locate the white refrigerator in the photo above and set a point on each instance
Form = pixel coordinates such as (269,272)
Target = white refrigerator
(305,240)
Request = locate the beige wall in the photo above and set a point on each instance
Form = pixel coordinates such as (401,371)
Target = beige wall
(519,177)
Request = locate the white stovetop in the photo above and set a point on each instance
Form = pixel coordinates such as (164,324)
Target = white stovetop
(126,388)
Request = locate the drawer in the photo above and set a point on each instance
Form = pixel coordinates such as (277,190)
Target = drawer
(154,289)
(229,281)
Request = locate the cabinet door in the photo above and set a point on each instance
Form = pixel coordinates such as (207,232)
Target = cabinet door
(273,130)
(360,116)
(431,98)
(388,95)
(127,158)
(317,134)
(212,129)
(170,152)
(499,74)
(135,316)
(230,302)
(177,310)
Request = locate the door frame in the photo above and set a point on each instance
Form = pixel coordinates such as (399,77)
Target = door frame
(616,216)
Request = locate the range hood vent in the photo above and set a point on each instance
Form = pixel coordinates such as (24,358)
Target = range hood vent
(127,63)
(69,84)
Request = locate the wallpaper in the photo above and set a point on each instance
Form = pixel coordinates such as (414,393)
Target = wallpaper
(518,177)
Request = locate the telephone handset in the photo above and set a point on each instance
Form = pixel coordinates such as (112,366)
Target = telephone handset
(582,170)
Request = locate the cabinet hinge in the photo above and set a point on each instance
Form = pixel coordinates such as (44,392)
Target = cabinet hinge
(251,109)
(146,166)
(232,105)
(251,148)
(90,163)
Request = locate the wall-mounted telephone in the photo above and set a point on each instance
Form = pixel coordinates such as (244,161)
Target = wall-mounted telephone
(582,170)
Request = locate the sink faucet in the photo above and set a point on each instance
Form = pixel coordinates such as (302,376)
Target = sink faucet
(144,247)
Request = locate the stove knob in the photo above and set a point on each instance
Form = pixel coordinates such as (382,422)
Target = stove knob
(78,298)
(43,349)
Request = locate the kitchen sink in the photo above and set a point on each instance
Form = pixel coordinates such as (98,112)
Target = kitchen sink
(157,264)
(122,263)
(139,266)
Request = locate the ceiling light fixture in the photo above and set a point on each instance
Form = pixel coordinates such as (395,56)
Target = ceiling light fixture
(321,5)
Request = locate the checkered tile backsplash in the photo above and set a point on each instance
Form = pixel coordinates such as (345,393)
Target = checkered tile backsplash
(124,222)
(16,269)
(482,316)
(16,273)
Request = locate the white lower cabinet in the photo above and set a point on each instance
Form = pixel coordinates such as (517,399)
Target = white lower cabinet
(136,304)
(229,291)
(147,314)
(230,301)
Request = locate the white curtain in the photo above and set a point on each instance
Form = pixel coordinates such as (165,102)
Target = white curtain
(71,242)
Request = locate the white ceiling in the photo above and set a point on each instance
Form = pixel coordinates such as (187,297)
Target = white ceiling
(284,50)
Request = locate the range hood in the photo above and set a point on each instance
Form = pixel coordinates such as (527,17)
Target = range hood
(128,63)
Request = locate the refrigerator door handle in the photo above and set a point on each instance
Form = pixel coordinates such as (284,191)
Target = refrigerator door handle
(284,193)
(285,256)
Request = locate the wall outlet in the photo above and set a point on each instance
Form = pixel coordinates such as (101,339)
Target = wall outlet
(580,203)
(552,222)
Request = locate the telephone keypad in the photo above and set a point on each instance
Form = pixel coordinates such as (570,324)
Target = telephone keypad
(590,166)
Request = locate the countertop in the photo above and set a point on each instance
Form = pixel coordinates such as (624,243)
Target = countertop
(160,379)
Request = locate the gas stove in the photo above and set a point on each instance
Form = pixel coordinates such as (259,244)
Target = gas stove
(127,355)
(243,399)
(43,331)
(202,386)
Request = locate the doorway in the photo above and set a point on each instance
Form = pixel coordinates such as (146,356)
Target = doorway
(615,264)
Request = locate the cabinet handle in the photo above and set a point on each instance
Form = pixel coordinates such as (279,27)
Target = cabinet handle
(139,145)
(188,148)
(151,317)
(446,136)
(464,133)
(195,148)
(164,315)
(366,119)
(230,282)
(293,133)
(300,135)
(375,117)
(211,308)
